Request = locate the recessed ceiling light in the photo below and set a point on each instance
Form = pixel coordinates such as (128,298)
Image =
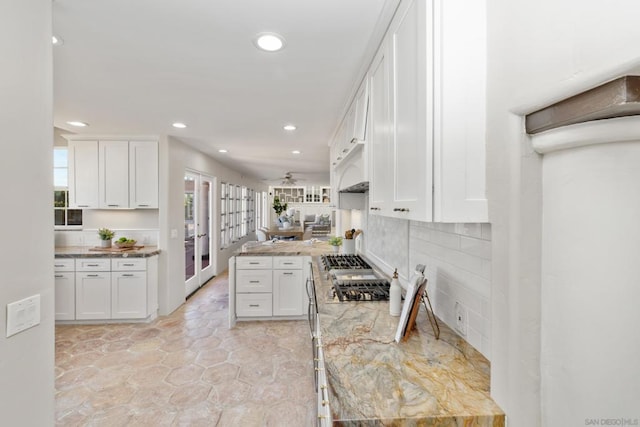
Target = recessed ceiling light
(179,125)
(222,150)
(289,127)
(78,124)
(295,152)
(270,42)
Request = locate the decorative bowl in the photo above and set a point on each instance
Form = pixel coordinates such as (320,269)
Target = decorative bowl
(128,244)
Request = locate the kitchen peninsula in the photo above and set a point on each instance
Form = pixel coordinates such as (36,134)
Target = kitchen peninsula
(365,378)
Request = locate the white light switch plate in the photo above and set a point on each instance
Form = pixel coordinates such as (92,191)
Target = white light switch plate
(23,314)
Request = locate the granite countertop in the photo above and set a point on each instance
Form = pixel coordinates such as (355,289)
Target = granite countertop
(285,248)
(372,380)
(87,252)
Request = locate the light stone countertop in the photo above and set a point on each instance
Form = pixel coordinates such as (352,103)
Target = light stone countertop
(374,381)
(86,252)
(284,248)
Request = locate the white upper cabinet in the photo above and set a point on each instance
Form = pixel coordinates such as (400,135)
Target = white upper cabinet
(113,173)
(379,139)
(359,133)
(143,174)
(83,174)
(427,114)
(460,111)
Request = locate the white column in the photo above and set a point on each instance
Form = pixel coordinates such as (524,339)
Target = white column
(590,310)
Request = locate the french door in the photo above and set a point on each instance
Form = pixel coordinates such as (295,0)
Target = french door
(199,251)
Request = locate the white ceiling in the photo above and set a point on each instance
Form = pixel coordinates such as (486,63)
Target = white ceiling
(137,66)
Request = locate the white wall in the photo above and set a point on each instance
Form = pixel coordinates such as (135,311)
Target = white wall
(26,359)
(539,52)
(175,158)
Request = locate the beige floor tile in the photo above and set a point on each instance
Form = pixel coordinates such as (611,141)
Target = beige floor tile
(186,369)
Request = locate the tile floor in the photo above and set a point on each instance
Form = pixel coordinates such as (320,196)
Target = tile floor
(186,369)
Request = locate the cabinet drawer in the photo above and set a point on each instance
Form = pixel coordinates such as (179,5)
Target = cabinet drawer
(253,262)
(128,264)
(253,305)
(288,262)
(254,281)
(93,264)
(64,264)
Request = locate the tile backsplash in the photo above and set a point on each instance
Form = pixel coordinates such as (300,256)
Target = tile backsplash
(458,261)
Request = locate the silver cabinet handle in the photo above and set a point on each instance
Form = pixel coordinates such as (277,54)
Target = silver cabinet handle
(58,265)
(287,273)
(93,265)
(254,305)
(143,206)
(57,276)
(254,263)
(254,281)
(113,206)
(92,275)
(374,208)
(128,265)
(400,210)
(127,275)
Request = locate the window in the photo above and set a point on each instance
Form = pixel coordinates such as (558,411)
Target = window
(244,210)
(224,218)
(64,217)
(237,223)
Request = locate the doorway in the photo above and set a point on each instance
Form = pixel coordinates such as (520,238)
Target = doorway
(199,252)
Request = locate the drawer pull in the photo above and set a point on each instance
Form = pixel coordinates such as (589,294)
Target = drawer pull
(128,265)
(92,275)
(254,281)
(93,265)
(287,263)
(400,210)
(83,206)
(127,275)
(254,305)
(59,265)
(58,276)
(254,263)
(287,273)
(143,206)
(374,208)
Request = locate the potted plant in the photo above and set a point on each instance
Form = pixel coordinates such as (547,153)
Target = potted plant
(105,237)
(278,207)
(335,241)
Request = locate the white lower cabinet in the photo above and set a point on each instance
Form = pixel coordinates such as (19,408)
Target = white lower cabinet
(93,295)
(254,305)
(65,296)
(269,287)
(105,289)
(129,295)
(287,293)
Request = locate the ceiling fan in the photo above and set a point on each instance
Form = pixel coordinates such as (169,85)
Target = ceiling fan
(288,179)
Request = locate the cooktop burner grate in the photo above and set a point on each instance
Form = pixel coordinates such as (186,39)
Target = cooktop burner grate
(370,290)
(344,262)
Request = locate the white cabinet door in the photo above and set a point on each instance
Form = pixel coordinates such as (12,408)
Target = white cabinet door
(380,173)
(114,174)
(288,288)
(460,112)
(65,296)
(129,295)
(93,295)
(143,174)
(83,174)
(412,140)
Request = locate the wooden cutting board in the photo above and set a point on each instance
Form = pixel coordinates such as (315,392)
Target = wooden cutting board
(115,249)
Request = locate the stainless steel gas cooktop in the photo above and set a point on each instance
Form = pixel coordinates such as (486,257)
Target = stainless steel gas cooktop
(353,279)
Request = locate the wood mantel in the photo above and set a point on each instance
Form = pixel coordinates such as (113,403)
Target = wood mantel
(617,98)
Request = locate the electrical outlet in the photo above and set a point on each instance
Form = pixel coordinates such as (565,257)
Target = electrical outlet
(461,319)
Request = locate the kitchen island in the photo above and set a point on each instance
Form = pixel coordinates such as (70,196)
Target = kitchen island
(373,381)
